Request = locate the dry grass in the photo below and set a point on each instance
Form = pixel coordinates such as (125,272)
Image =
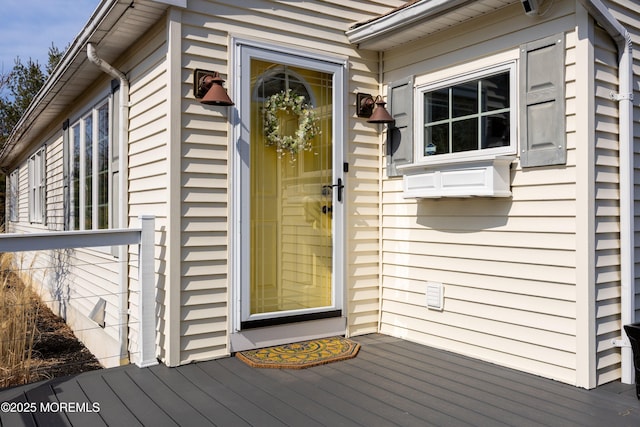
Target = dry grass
(18,316)
(35,344)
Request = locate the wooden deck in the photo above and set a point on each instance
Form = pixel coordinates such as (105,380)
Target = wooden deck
(391,383)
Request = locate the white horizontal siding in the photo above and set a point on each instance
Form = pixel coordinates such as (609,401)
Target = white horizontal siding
(204,197)
(147,162)
(54,197)
(508,265)
(607,220)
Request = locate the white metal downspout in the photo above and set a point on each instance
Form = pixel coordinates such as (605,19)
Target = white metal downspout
(123,142)
(627,199)
(380,197)
(625,98)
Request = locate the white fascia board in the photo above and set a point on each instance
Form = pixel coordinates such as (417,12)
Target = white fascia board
(177,3)
(400,19)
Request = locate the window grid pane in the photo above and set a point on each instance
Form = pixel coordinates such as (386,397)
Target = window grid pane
(88,165)
(103,167)
(75,178)
(468,116)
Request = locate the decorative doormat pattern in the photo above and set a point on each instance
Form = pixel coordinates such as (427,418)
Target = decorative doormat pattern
(301,354)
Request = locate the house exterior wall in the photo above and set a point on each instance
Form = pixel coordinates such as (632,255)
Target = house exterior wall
(205,282)
(72,281)
(531,281)
(178,170)
(148,154)
(509,266)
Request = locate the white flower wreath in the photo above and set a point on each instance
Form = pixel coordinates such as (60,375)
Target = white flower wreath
(288,101)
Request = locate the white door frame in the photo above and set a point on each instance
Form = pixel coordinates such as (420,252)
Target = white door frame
(243,51)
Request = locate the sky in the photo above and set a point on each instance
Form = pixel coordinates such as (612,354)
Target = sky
(28,27)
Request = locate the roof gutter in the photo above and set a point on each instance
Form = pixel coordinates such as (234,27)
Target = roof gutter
(400,18)
(42,98)
(625,98)
(123,144)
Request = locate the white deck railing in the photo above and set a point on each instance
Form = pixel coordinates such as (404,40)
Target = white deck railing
(143,237)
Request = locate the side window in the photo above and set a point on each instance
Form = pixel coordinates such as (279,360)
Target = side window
(13,195)
(88,165)
(37,186)
(469,116)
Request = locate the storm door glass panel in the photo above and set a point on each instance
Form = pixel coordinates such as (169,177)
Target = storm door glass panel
(290,197)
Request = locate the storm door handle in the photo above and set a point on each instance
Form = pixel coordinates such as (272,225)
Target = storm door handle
(339,186)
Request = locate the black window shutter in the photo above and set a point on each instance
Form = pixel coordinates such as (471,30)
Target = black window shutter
(400,134)
(542,104)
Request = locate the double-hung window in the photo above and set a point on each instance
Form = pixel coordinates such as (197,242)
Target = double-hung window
(90,140)
(37,186)
(468,116)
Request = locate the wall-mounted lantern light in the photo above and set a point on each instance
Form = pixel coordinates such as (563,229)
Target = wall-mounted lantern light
(208,89)
(373,109)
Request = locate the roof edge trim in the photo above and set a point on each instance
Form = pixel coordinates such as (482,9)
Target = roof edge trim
(401,18)
(177,3)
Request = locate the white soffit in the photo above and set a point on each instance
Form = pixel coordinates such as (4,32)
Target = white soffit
(419,20)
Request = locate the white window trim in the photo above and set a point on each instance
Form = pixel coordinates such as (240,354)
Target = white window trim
(37,174)
(481,154)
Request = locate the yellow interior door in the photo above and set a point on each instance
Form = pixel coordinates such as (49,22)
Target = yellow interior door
(291,198)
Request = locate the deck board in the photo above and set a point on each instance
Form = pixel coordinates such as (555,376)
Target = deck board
(70,391)
(373,411)
(204,404)
(315,413)
(555,398)
(244,409)
(263,399)
(322,391)
(112,410)
(163,396)
(137,401)
(409,394)
(44,395)
(16,419)
(458,385)
(390,383)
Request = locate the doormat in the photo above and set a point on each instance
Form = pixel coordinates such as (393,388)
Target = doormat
(301,355)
